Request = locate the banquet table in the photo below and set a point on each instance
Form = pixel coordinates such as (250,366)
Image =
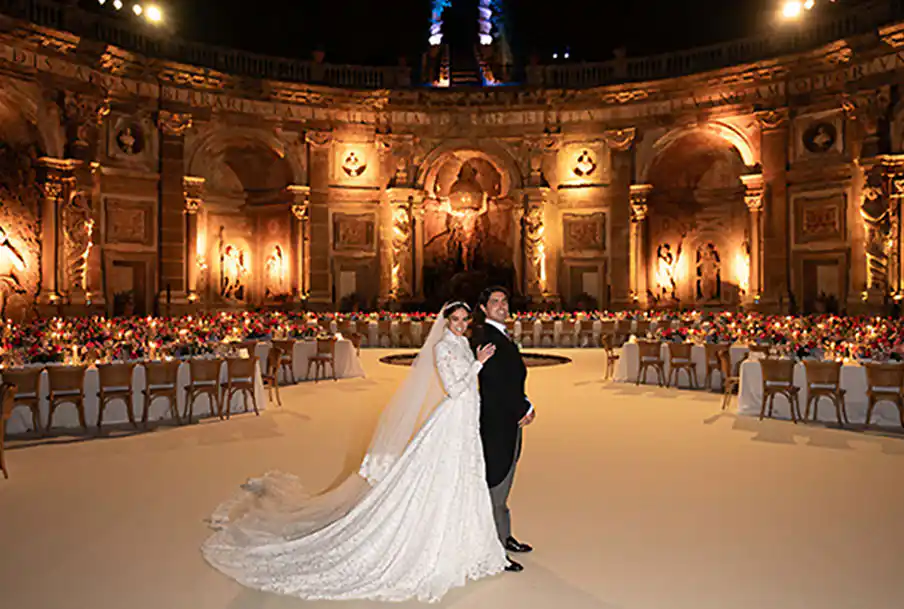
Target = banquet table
(853,381)
(629,364)
(66,415)
(347,362)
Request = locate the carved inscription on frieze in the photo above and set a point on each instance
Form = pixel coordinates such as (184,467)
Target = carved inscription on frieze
(819,218)
(585,233)
(354,232)
(130,222)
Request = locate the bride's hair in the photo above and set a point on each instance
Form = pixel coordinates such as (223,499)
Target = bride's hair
(454,306)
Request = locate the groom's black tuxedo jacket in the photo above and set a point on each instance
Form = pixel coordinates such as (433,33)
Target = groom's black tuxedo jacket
(503,401)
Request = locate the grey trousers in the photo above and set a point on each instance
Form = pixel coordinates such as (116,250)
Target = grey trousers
(499,497)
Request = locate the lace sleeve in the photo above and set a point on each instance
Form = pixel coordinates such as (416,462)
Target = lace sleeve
(455,371)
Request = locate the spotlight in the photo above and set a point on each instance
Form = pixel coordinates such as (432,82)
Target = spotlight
(792,9)
(566,55)
(102,2)
(154,14)
(809,4)
(117,4)
(137,9)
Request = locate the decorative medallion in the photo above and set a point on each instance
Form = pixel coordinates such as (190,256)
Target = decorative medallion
(820,137)
(353,166)
(585,165)
(130,139)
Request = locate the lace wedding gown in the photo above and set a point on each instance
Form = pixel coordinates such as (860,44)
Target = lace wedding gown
(422,529)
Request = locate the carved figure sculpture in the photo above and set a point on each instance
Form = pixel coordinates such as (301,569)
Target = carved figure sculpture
(11,261)
(709,273)
(78,228)
(232,269)
(276,276)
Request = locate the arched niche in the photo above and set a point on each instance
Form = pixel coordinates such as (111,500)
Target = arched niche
(697,222)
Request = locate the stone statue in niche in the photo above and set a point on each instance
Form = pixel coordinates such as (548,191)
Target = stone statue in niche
(820,137)
(276,272)
(232,268)
(11,263)
(401,248)
(534,230)
(353,166)
(666,271)
(709,273)
(584,165)
(874,210)
(78,229)
(129,139)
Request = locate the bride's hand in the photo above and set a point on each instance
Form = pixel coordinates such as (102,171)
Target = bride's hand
(485,352)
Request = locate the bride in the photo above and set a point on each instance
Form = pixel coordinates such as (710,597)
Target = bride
(413,522)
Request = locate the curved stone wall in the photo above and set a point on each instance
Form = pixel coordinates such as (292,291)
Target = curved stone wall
(772,184)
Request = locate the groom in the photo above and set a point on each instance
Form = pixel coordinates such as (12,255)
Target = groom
(504,410)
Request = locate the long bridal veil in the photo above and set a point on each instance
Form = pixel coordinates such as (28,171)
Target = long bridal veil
(276,507)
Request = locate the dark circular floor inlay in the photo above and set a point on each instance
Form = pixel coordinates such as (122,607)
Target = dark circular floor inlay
(533,360)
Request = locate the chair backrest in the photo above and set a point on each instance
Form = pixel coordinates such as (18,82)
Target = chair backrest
(680,350)
(66,378)
(26,380)
(777,370)
(568,327)
(162,373)
(823,373)
(724,359)
(754,348)
(649,348)
(642,326)
(241,367)
(884,375)
(356,341)
(205,370)
(426,328)
(362,326)
(248,345)
(607,326)
(325,324)
(326,346)
(115,375)
(548,326)
(405,329)
(384,327)
(510,326)
(712,351)
(285,346)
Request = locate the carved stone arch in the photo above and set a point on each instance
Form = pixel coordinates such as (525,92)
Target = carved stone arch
(215,142)
(28,116)
(492,152)
(742,142)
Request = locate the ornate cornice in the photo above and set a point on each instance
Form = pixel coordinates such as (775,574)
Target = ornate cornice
(755,189)
(620,139)
(318,138)
(174,123)
(770,120)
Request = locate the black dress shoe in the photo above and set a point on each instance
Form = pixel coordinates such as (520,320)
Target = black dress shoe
(513,545)
(513,567)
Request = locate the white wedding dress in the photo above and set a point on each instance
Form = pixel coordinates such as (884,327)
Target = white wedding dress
(418,529)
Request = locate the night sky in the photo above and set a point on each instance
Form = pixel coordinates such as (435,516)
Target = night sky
(374,32)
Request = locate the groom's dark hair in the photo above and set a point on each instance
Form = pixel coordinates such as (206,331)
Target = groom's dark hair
(484,298)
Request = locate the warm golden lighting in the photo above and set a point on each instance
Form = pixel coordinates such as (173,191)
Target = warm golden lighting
(742,271)
(154,14)
(89,228)
(792,9)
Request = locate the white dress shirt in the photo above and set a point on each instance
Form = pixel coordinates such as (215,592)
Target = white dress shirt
(501,328)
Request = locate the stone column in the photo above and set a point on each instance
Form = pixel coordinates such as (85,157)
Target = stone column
(639,267)
(319,149)
(537,281)
(299,261)
(775,225)
(621,145)
(193,191)
(55,184)
(753,198)
(172,288)
(399,237)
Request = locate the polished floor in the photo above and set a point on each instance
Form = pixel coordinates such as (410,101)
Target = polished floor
(635,498)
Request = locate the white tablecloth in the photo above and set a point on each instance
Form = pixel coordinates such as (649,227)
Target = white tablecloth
(629,364)
(348,364)
(66,415)
(853,381)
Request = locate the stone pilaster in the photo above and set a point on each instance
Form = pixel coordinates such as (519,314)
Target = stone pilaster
(398,239)
(300,260)
(539,278)
(639,266)
(319,149)
(775,293)
(753,198)
(172,288)
(621,145)
(56,178)
(193,192)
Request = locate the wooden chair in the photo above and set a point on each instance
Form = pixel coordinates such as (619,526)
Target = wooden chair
(67,386)
(162,381)
(115,383)
(824,381)
(649,355)
(7,403)
(287,359)
(270,377)
(680,360)
(611,355)
(642,327)
(510,328)
(778,379)
(205,380)
(585,334)
(885,383)
(608,328)
(731,379)
(426,328)
(326,354)
(362,328)
(247,345)
(405,339)
(764,349)
(355,340)
(548,330)
(384,331)
(568,335)
(240,379)
(28,383)
(714,362)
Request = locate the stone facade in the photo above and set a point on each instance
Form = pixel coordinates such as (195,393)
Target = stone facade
(772,185)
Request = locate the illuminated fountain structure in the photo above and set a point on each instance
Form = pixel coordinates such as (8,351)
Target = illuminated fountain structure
(465,204)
